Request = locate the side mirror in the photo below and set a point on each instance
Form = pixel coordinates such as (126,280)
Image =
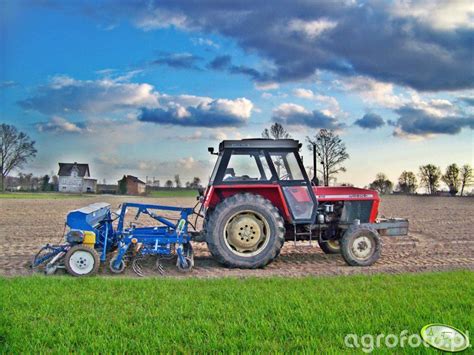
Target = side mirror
(211,150)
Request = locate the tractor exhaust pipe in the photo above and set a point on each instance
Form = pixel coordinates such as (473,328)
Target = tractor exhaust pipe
(315,177)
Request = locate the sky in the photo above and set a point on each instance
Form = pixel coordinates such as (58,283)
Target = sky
(144,87)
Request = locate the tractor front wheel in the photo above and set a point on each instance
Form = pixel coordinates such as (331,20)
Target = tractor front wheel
(361,246)
(245,231)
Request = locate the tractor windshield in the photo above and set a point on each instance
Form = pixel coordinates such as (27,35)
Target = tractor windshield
(287,166)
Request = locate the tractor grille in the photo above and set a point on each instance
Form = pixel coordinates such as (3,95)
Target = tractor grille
(356,210)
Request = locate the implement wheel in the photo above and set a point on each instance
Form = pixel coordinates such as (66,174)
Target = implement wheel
(189,256)
(81,261)
(245,231)
(121,267)
(361,246)
(330,246)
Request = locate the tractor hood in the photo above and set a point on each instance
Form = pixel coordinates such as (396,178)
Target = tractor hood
(331,193)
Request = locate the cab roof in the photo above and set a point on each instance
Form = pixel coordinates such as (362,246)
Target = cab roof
(259,143)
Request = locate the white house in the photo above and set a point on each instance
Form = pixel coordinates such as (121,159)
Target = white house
(74,177)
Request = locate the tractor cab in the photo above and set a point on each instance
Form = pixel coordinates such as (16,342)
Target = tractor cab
(272,167)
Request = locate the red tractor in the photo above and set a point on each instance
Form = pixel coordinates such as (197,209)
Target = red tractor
(259,195)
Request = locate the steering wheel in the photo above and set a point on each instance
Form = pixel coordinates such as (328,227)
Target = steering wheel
(229,171)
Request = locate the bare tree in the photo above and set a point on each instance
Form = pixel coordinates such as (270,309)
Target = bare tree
(28,182)
(277,131)
(16,148)
(45,183)
(196,183)
(177,181)
(54,182)
(430,176)
(382,184)
(452,179)
(407,182)
(331,150)
(466,177)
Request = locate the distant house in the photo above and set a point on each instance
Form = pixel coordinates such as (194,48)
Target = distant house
(74,177)
(131,185)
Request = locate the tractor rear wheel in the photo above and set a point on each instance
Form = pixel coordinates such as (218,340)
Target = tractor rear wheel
(330,246)
(245,231)
(361,246)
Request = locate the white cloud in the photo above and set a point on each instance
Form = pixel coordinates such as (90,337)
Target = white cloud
(288,109)
(266,86)
(373,92)
(240,107)
(311,29)
(60,125)
(187,163)
(439,14)
(219,136)
(205,112)
(439,108)
(204,42)
(310,95)
(65,94)
(332,105)
(161,18)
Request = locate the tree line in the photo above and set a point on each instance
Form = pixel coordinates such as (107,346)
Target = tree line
(430,178)
(194,184)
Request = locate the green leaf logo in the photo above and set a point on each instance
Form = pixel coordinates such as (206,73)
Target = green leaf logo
(444,337)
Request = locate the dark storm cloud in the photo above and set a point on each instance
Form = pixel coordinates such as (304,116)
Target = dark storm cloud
(363,38)
(370,121)
(224,62)
(467,100)
(416,121)
(197,117)
(179,60)
(220,62)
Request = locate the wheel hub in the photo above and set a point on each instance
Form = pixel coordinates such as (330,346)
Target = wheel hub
(245,233)
(333,244)
(81,262)
(362,247)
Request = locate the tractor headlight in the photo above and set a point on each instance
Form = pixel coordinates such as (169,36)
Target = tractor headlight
(75,236)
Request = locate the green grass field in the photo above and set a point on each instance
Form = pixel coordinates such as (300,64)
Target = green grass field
(63,314)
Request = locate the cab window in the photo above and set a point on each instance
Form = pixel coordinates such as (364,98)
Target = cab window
(247,167)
